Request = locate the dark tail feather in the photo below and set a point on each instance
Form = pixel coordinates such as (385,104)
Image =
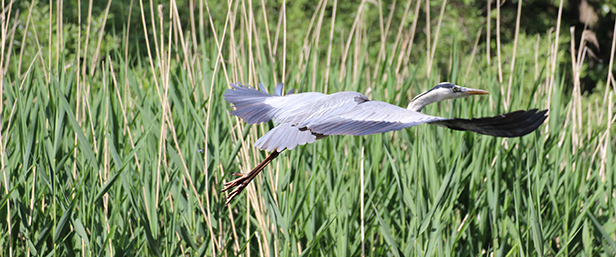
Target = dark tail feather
(513,124)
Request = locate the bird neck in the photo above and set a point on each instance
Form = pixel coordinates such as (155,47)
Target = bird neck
(420,101)
(417,106)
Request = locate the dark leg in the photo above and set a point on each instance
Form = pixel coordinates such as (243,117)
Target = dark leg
(244,179)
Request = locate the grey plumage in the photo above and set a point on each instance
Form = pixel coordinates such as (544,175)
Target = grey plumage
(306,117)
(249,104)
(284,136)
(303,117)
(369,117)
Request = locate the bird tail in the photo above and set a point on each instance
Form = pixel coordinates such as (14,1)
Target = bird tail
(513,124)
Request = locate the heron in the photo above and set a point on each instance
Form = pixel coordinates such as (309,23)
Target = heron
(305,117)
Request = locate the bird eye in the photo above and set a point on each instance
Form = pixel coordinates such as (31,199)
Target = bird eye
(456,89)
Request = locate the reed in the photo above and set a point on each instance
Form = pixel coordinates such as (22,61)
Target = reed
(99,149)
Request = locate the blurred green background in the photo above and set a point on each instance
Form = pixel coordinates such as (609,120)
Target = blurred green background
(106,105)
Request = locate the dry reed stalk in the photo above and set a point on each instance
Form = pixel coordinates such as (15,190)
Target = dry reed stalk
(348,42)
(576,81)
(610,76)
(411,39)
(269,43)
(438,29)
(329,47)
(384,32)
(126,126)
(428,38)
(554,59)
(470,62)
(488,31)
(393,54)
(498,45)
(315,45)
(3,41)
(361,206)
(513,56)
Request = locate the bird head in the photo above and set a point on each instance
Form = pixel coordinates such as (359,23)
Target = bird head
(442,91)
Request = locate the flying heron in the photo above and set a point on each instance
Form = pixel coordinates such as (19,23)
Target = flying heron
(306,117)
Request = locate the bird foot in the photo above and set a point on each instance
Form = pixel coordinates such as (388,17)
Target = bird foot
(237,185)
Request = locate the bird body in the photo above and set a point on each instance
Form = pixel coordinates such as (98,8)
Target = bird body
(305,117)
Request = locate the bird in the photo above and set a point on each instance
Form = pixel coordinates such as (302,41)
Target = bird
(304,118)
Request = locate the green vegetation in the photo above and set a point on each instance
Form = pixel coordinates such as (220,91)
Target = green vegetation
(100,144)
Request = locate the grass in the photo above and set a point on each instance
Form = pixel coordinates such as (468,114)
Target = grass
(100,155)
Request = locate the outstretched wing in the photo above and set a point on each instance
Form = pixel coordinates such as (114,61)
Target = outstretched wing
(513,124)
(371,117)
(255,106)
(368,117)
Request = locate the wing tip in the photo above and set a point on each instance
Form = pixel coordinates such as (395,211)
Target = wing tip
(535,120)
(513,124)
(249,103)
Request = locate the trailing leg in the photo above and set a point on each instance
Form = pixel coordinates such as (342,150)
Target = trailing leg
(242,182)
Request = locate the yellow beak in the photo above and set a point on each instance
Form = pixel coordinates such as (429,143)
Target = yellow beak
(471,91)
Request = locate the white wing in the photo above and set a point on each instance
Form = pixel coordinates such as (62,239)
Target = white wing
(284,136)
(255,106)
(368,117)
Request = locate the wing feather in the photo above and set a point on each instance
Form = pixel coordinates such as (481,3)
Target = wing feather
(369,117)
(254,106)
(249,104)
(284,136)
(513,124)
